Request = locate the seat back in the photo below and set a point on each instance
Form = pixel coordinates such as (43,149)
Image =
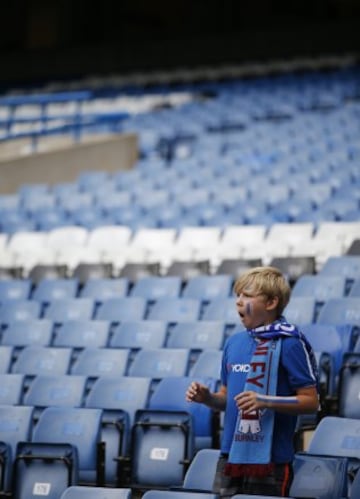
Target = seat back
(159,363)
(96,362)
(101,289)
(155,287)
(222,309)
(30,332)
(36,360)
(48,290)
(344,310)
(197,335)
(19,310)
(122,309)
(83,492)
(82,334)
(6,358)
(14,289)
(208,287)
(11,389)
(300,310)
(348,387)
(201,472)
(139,334)
(175,309)
(172,494)
(66,309)
(162,447)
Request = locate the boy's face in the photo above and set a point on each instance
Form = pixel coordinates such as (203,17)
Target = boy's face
(255,309)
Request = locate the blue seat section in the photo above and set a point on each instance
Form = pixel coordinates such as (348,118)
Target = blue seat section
(207,288)
(342,311)
(222,309)
(19,310)
(208,364)
(101,289)
(139,334)
(16,425)
(48,290)
(155,287)
(66,309)
(119,398)
(122,309)
(88,492)
(11,389)
(175,309)
(30,332)
(168,395)
(158,363)
(85,333)
(15,289)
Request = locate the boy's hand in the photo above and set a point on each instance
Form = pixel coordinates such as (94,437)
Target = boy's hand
(197,392)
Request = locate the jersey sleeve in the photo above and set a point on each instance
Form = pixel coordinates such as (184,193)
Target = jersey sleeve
(297,361)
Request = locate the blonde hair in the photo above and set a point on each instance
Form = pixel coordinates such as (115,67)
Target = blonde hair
(268,281)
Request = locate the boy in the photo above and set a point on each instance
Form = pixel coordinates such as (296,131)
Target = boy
(268,377)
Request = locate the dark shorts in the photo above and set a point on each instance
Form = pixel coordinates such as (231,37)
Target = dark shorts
(277,483)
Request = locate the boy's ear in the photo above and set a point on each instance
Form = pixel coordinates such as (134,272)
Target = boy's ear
(272,303)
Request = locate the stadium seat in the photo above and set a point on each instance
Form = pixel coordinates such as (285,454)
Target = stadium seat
(300,310)
(200,475)
(173,494)
(20,334)
(11,389)
(98,362)
(341,311)
(66,309)
(16,425)
(155,287)
(175,309)
(208,364)
(59,390)
(169,395)
(19,310)
(355,487)
(42,271)
(208,287)
(65,447)
(162,448)
(14,289)
(48,290)
(348,388)
(35,360)
(222,309)
(77,334)
(6,359)
(236,266)
(293,267)
(92,270)
(158,363)
(88,492)
(119,398)
(347,266)
(139,334)
(100,289)
(187,269)
(323,477)
(116,310)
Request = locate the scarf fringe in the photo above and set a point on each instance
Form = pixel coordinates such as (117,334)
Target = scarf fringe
(258,470)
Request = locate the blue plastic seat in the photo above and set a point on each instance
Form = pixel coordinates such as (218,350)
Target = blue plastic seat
(88,492)
(340,311)
(19,310)
(347,266)
(6,359)
(98,362)
(139,334)
(300,310)
(11,389)
(348,388)
(173,494)
(119,398)
(66,309)
(30,332)
(222,309)
(355,487)
(78,334)
(48,290)
(101,289)
(209,287)
(162,446)
(59,390)
(35,360)
(158,363)
(200,474)
(16,425)
(168,395)
(355,288)
(15,289)
(208,364)
(197,335)
(175,309)
(154,287)
(65,447)
(118,310)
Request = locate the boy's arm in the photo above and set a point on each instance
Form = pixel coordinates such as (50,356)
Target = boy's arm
(197,392)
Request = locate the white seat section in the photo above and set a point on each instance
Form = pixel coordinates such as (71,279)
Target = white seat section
(72,256)
(345,232)
(243,236)
(24,241)
(109,237)
(7,258)
(3,241)
(154,244)
(320,249)
(291,234)
(65,237)
(28,259)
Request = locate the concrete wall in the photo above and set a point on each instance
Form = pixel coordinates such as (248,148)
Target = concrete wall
(64,164)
